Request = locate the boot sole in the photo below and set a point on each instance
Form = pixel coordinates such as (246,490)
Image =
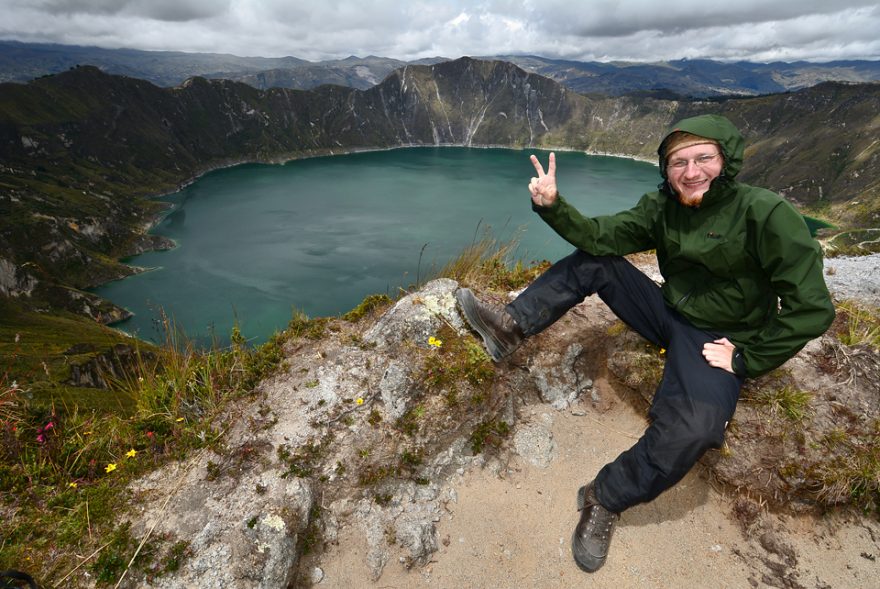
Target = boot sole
(467,303)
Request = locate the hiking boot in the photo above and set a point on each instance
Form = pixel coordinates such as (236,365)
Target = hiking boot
(592,536)
(498,329)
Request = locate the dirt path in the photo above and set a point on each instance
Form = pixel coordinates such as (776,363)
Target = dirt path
(513,529)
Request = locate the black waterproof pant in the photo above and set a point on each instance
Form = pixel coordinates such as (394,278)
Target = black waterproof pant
(693,401)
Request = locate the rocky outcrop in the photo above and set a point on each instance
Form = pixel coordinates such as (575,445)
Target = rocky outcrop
(360,430)
(92,368)
(13,282)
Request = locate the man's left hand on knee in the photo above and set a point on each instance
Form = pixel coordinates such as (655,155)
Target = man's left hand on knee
(719,354)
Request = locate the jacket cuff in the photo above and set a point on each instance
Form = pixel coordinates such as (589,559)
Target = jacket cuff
(544,210)
(739,363)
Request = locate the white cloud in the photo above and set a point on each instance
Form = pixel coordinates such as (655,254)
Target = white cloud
(633,30)
(161,10)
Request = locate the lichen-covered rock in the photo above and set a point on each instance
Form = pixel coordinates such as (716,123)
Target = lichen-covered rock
(326,425)
(242,530)
(417,317)
(393,388)
(534,442)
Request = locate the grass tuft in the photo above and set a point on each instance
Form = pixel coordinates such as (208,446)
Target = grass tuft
(787,401)
(862,325)
(852,474)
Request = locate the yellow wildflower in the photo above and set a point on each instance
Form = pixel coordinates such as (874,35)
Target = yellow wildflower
(179,419)
(433,341)
(131,453)
(73,485)
(359,401)
(110,467)
(662,351)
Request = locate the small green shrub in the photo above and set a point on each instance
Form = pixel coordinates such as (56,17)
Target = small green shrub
(178,552)
(458,358)
(301,326)
(367,306)
(302,462)
(488,433)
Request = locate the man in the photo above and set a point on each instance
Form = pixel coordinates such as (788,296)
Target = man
(743,292)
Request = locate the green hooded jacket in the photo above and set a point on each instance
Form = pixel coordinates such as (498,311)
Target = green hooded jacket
(742,264)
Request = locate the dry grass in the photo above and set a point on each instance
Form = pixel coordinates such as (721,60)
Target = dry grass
(487,264)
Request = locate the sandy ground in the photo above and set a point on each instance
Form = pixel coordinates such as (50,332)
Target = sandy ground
(514,529)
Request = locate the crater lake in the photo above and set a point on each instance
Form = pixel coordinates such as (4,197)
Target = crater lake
(257,242)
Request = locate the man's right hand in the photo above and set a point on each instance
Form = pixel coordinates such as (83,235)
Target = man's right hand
(543,188)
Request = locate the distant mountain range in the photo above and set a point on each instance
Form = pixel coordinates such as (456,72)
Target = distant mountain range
(82,151)
(22,62)
(699,78)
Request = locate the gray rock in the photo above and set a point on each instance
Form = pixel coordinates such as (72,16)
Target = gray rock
(534,442)
(238,537)
(14,283)
(373,521)
(556,376)
(394,389)
(242,526)
(854,278)
(316,576)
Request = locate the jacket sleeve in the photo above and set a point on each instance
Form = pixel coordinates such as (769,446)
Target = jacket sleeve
(623,233)
(792,260)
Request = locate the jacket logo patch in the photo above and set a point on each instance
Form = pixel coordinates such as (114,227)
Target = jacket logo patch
(713,235)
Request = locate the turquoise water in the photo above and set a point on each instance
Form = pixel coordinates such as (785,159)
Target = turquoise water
(256,242)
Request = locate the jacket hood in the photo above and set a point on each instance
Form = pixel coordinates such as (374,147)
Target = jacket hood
(712,127)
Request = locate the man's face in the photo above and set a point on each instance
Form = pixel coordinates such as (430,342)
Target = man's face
(691,170)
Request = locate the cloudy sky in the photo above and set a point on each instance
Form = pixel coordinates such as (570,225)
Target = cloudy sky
(588,30)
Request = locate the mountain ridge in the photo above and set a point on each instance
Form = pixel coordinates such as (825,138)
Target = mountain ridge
(21,62)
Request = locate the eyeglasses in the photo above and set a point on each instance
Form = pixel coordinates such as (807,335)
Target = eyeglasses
(701,162)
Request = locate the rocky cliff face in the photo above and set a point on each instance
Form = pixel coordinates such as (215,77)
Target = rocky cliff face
(81,149)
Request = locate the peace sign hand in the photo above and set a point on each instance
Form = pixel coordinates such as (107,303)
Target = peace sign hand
(543,188)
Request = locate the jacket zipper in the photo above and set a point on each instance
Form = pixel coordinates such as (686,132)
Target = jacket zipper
(683,300)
